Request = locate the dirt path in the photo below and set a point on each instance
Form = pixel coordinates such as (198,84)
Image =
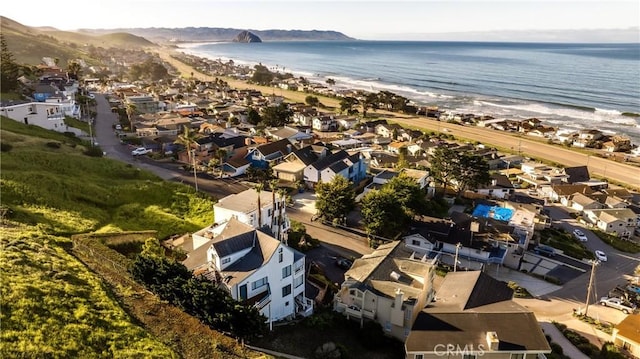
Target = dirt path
(616,172)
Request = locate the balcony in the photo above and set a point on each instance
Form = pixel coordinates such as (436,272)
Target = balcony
(354,311)
(304,306)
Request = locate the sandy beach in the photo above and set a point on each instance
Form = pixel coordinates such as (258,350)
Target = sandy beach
(616,172)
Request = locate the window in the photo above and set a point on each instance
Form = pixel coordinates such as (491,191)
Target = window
(298,281)
(280,256)
(259,283)
(226,260)
(286,271)
(269,212)
(469,356)
(286,290)
(517,356)
(419,356)
(415,242)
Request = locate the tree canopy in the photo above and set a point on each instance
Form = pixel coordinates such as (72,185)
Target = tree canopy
(459,170)
(335,199)
(383,214)
(9,69)
(275,116)
(261,75)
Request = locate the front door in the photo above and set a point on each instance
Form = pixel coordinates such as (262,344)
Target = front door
(243,292)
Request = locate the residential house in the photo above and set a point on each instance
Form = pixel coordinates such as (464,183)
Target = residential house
(347,122)
(351,167)
(581,202)
(206,148)
(292,166)
(538,174)
(618,222)
(474,316)
(290,133)
(324,123)
(627,336)
(388,130)
(577,174)
(396,147)
(587,138)
(617,143)
(386,286)
(42,114)
(264,155)
(563,192)
(254,268)
(142,103)
(500,187)
(421,177)
(266,210)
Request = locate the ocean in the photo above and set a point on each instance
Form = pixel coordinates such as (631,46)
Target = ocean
(570,86)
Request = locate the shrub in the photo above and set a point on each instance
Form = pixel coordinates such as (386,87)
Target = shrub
(93,151)
(53,144)
(5,147)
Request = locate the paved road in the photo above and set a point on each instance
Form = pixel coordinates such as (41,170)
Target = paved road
(110,144)
(608,274)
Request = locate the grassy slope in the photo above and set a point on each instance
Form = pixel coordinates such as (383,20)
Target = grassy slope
(51,305)
(29,44)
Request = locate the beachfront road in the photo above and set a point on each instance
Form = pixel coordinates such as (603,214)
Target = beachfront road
(614,171)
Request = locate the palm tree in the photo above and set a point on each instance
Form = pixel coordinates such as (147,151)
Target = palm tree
(187,138)
(131,111)
(221,154)
(259,188)
(74,69)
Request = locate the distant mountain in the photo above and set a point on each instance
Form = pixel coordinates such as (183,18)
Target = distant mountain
(201,34)
(30,44)
(246,37)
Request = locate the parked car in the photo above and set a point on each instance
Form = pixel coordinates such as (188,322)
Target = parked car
(601,256)
(140,151)
(580,235)
(545,250)
(634,288)
(618,303)
(344,263)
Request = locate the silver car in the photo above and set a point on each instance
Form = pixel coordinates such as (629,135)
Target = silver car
(618,303)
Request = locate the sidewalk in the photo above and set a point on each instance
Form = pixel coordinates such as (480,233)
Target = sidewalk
(557,337)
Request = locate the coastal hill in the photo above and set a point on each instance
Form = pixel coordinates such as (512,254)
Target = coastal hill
(246,37)
(202,34)
(30,44)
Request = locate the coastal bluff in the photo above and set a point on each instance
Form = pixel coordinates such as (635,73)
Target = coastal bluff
(246,37)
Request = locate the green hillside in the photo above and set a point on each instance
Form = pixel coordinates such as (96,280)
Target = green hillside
(29,44)
(51,304)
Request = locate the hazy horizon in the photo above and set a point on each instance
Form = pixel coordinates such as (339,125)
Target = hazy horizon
(475,20)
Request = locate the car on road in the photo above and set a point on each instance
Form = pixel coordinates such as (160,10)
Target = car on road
(119,127)
(618,303)
(140,151)
(580,235)
(344,263)
(545,250)
(600,255)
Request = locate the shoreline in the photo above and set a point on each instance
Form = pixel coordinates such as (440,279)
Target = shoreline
(551,111)
(598,167)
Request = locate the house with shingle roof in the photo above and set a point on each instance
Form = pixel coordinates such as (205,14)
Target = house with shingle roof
(474,315)
(352,167)
(626,335)
(255,268)
(387,286)
(292,166)
(620,222)
(268,153)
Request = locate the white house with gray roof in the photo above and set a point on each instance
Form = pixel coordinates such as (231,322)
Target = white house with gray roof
(389,286)
(254,268)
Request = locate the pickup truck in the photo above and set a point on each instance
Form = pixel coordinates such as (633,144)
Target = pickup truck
(140,151)
(618,303)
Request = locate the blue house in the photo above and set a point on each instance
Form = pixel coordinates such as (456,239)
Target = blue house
(263,155)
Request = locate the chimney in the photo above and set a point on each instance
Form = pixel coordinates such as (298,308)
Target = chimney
(289,147)
(492,341)
(398,300)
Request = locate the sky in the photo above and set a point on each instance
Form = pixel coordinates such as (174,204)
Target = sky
(366,20)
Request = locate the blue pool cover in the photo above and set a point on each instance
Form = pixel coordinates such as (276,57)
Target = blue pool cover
(495,212)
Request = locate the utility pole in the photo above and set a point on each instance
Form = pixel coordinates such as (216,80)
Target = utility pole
(455,261)
(593,270)
(195,176)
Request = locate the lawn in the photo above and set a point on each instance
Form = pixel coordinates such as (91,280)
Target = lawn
(566,242)
(618,243)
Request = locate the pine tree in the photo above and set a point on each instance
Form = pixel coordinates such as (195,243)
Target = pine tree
(9,68)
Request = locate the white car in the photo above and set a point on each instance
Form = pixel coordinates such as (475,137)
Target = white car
(140,151)
(618,304)
(580,235)
(601,256)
